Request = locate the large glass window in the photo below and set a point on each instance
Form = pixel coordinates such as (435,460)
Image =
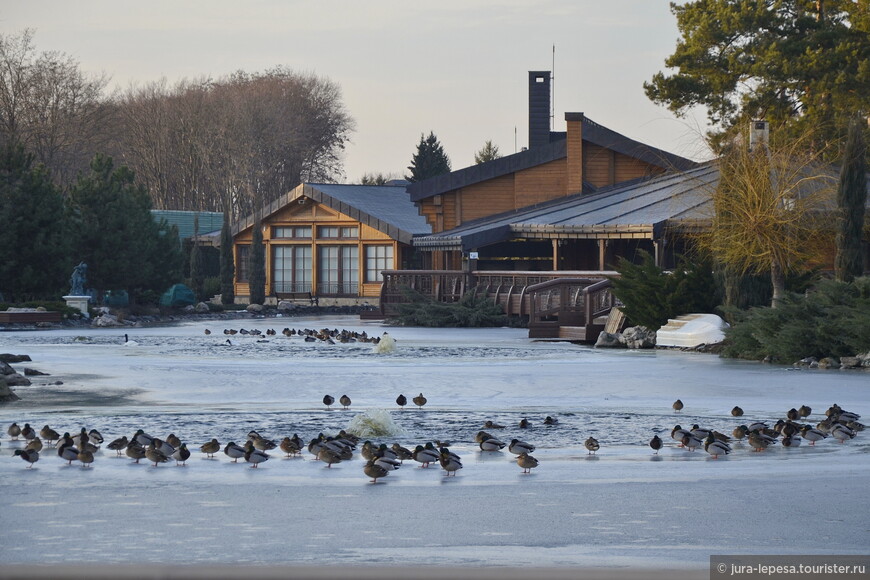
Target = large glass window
(338,271)
(333,232)
(291,269)
(378,258)
(242,263)
(292,232)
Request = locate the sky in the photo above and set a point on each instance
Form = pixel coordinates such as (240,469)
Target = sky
(458,68)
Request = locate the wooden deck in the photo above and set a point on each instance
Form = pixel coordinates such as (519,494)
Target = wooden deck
(28,317)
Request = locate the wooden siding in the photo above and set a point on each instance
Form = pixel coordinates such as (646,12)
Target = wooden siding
(541,183)
(486,198)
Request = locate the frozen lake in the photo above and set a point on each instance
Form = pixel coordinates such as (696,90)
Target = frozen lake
(622,508)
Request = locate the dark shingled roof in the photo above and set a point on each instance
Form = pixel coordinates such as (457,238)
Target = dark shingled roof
(592,132)
(642,206)
(387,208)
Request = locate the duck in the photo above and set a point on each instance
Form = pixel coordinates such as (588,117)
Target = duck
(677,434)
(210,448)
(402,453)
(173,440)
(792,414)
(592,445)
(68,453)
(518,447)
(28,432)
(234,451)
(492,425)
(715,447)
(95,437)
(678,406)
(656,443)
(118,445)
(490,443)
(263,444)
(155,455)
(758,441)
(791,441)
(805,411)
(740,432)
(425,456)
(550,420)
(135,451)
(34,444)
(86,456)
(142,438)
(254,456)
(206,332)
(329,456)
(290,446)
(345,401)
(736,412)
(48,434)
(29,455)
(401,401)
(163,447)
(527,462)
(328,400)
(14,431)
(699,432)
(449,461)
(181,455)
(420,400)
(812,434)
(524,424)
(691,442)
(375,471)
(842,433)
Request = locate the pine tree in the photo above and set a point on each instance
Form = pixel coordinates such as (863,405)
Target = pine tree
(228,268)
(429,161)
(197,277)
(257,277)
(852,204)
(488,152)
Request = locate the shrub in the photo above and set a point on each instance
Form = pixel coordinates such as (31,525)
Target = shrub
(470,311)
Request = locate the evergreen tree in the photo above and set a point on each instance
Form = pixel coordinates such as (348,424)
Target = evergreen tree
(852,204)
(228,268)
(257,276)
(197,276)
(429,161)
(488,152)
(116,234)
(34,260)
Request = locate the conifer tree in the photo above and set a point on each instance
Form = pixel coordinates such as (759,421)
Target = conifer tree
(429,161)
(852,204)
(257,277)
(228,268)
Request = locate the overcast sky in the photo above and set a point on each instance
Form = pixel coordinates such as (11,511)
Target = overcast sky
(455,67)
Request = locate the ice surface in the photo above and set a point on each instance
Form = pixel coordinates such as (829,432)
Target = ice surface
(621,507)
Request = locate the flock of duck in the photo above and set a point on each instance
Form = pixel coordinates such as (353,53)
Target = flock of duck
(382,459)
(324,335)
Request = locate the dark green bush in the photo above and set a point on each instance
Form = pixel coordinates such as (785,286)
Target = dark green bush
(470,311)
(831,320)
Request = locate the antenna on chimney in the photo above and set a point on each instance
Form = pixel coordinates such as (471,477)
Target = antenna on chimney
(553,91)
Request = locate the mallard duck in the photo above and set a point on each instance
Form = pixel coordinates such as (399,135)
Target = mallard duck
(805,411)
(491,425)
(758,441)
(181,455)
(678,406)
(290,447)
(254,456)
(31,456)
(491,444)
(812,435)
(142,438)
(154,455)
(736,412)
(425,456)
(758,426)
(375,471)
(328,400)
(135,451)
(677,434)
(163,447)
(345,401)
(48,434)
(842,433)
(329,456)
(234,451)
(792,414)
(402,453)
(210,448)
(86,456)
(118,445)
(524,424)
(95,437)
(699,432)
(481,435)
(550,420)
(518,447)
(691,442)
(173,440)
(420,400)
(791,441)
(715,447)
(740,432)
(263,444)
(68,453)
(28,432)
(527,462)
(449,461)
(14,431)
(656,443)
(401,401)
(592,445)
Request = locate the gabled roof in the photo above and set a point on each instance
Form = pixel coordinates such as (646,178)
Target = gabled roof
(556,149)
(209,221)
(642,206)
(386,208)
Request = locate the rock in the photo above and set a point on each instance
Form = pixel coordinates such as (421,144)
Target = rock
(34,373)
(16,380)
(810,362)
(105,320)
(286,305)
(5,369)
(189,309)
(6,395)
(14,358)
(639,337)
(202,308)
(828,363)
(610,340)
(850,362)
(255,308)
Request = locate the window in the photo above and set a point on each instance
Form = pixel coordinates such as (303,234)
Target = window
(291,269)
(242,263)
(378,258)
(327,232)
(338,271)
(333,232)
(295,232)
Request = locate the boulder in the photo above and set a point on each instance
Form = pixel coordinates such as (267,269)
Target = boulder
(6,395)
(287,306)
(16,380)
(255,308)
(829,363)
(202,308)
(850,362)
(610,340)
(639,337)
(33,373)
(105,320)
(14,358)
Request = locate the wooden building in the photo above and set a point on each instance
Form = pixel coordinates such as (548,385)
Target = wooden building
(330,241)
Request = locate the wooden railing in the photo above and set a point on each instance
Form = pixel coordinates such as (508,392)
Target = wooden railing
(570,308)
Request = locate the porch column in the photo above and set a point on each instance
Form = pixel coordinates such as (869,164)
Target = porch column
(602,253)
(555,255)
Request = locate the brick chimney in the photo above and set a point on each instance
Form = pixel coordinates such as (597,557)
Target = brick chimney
(539,108)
